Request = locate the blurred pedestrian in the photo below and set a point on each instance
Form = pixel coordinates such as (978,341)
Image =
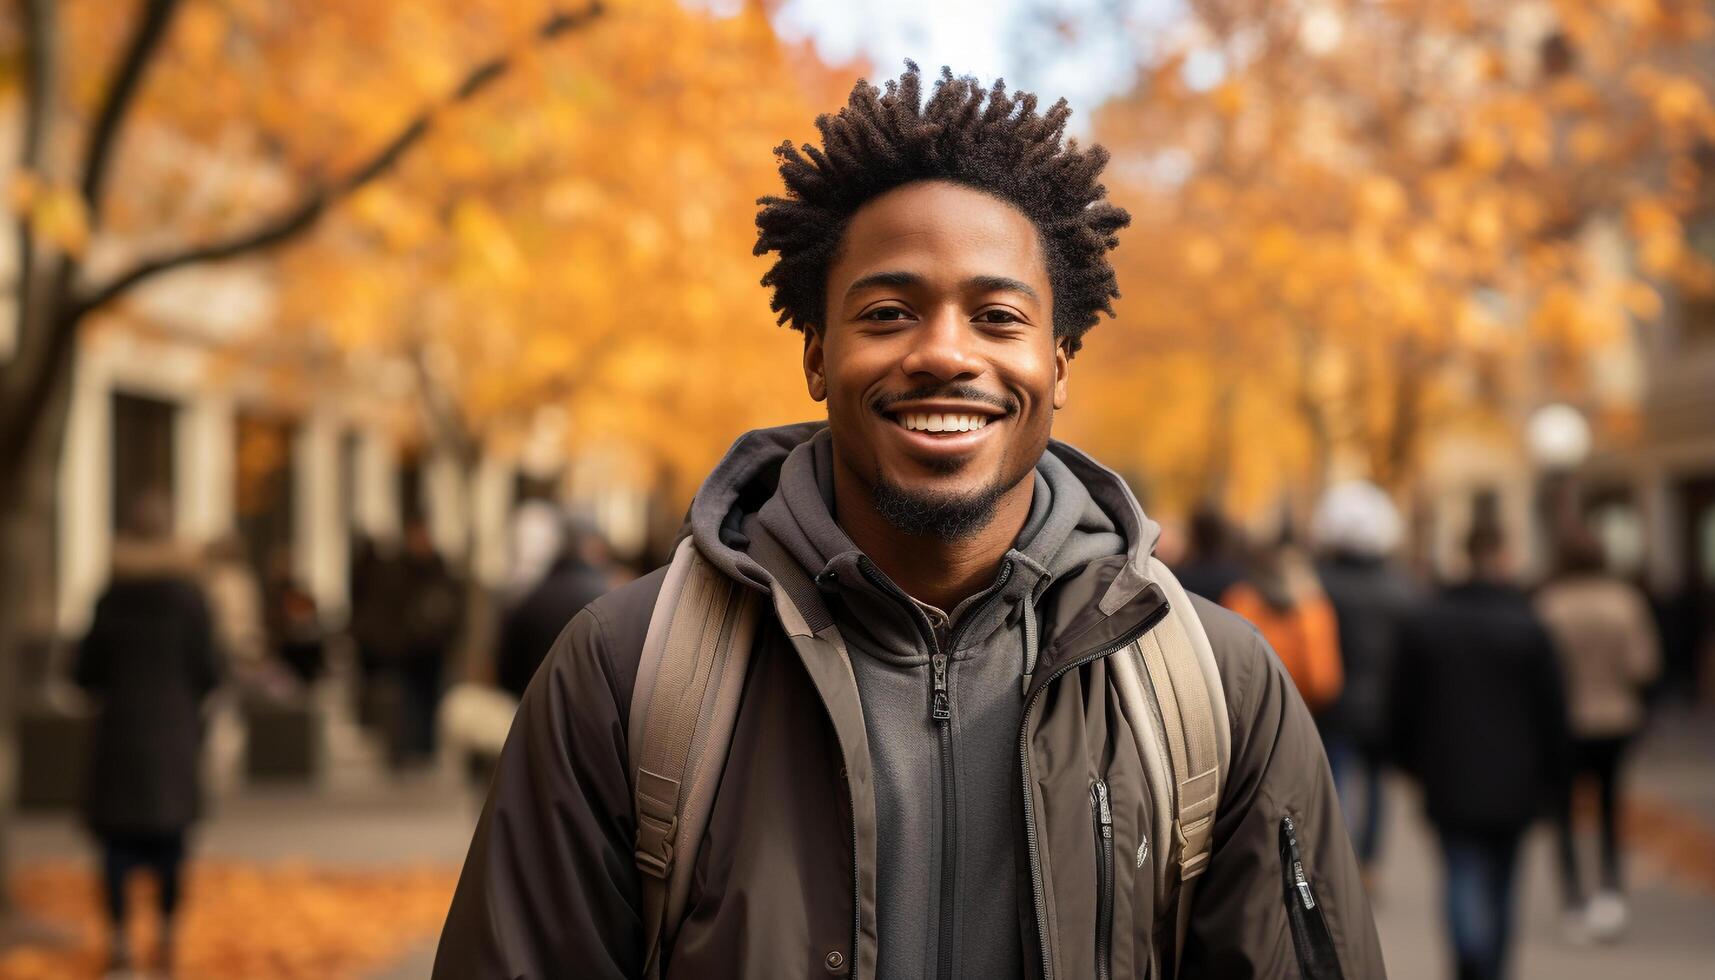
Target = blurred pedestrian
(536,535)
(235,603)
(377,596)
(1606,638)
(429,619)
(295,633)
(1480,719)
(1356,529)
(149,658)
(1283,599)
(579,574)
(1211,564)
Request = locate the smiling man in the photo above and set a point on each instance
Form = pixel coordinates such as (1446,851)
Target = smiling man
(934,766)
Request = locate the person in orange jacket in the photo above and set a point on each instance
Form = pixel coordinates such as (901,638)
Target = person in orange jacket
(1283,599)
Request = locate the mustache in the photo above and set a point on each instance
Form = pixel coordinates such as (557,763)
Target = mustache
(959,392)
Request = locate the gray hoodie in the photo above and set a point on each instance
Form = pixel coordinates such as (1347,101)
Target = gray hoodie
(940,782)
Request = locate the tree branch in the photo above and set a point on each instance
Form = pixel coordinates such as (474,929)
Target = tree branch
(122,93)
(31,347)
(304,214)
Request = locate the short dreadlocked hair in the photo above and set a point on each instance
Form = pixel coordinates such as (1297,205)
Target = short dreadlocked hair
(1005,148)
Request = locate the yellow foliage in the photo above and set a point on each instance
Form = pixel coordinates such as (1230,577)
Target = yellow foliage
(1349,235)
(1425,235)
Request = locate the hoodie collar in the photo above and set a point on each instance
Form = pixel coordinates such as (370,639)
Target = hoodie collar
(779,482)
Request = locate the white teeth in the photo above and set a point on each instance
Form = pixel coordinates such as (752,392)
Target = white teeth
(933,422)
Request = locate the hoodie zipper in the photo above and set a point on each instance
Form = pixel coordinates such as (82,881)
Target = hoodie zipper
(941,713)
(1311,940)
(1033,845)
(1104,819)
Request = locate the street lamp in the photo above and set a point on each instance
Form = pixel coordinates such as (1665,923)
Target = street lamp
(1558,438)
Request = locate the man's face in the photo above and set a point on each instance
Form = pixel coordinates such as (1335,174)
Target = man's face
(938,359)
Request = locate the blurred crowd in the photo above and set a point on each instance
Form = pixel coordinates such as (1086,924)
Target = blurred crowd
(1503,699)
(1500,697)
(426,654)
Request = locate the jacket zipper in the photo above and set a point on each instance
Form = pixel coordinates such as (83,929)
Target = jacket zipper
(941,713)
(1032,844)
(1104,817)
(1311,940)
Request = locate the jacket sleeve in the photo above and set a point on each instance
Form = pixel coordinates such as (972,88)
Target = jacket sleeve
(549,888)
(202,660)
(1553,714)
(1643,661)
(1240,924)
(89,666)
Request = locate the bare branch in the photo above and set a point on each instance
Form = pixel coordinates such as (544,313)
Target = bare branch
(122,93)
(442,408)
(304,214)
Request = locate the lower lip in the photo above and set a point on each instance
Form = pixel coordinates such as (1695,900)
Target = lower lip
(942,443)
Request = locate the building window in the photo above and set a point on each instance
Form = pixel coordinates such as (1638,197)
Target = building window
(264,494)
(143,459)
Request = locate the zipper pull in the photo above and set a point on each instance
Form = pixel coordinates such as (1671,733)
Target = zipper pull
(1305,895)
(1105,814)
(940,704)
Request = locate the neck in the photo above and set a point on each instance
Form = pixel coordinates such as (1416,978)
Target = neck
(939,572)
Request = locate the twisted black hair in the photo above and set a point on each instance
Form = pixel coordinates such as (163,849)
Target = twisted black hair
(882,140)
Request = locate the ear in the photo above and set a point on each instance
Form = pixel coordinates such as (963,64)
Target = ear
(815,375)
(1062,364)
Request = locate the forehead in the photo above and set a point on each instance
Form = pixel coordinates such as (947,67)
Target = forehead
(943,232)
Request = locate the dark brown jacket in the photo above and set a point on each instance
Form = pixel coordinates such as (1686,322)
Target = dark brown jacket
(785,879)
(149,658)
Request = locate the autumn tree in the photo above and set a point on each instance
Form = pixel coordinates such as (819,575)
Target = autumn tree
(313,92)
(584,243)
(1360,221)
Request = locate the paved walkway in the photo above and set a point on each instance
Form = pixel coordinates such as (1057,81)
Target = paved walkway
(1673,914)
(364,818)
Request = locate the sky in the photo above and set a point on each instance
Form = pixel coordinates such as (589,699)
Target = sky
(1086,62)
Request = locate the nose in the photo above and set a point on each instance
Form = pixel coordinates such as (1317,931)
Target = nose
(943,348)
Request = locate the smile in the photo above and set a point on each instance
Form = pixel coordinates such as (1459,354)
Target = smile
(933,422)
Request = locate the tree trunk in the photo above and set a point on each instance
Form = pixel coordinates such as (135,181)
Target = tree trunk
(28,575)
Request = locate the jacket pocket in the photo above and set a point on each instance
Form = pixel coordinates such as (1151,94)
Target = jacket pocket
(1102,815)
(1310,937)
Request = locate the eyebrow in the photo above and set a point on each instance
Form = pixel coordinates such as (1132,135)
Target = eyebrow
(912,279)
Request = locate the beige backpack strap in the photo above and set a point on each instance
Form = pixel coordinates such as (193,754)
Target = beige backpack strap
(683,709)
(1186,759)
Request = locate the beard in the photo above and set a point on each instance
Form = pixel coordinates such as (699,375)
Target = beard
(929,513)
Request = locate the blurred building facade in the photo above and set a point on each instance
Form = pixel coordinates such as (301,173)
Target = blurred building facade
(196,395)
(1646,483)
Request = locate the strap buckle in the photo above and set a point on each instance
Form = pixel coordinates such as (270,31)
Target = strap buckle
(657,822)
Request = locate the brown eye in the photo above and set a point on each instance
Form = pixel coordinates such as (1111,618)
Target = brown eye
(998,316)
(885,314)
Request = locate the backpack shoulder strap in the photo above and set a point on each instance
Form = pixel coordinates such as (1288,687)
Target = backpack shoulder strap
(1187,758)
(683,709)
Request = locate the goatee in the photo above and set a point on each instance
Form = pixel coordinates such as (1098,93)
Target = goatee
(927,513)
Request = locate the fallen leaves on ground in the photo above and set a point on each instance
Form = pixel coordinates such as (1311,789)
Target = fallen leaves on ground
(1678,841)
(241,920)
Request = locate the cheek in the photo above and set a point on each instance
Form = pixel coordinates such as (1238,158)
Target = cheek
(1040,380)
(853,369)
